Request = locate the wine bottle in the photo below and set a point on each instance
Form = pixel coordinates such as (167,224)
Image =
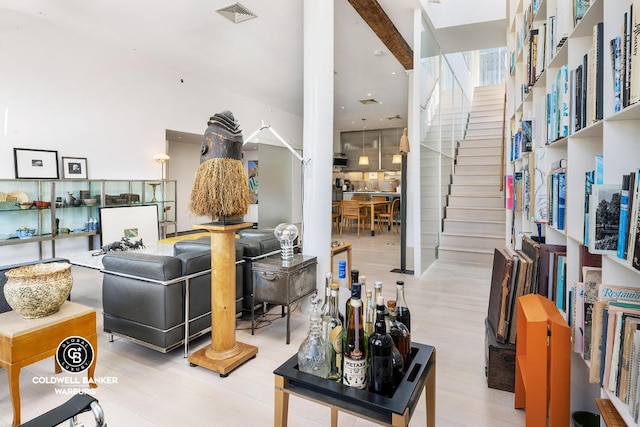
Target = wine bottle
(400,334)
(402,310)
(354,350)
(313,353)
(335,335)
(380,355)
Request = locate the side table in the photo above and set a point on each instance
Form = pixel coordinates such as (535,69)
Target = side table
(26,341)
(283,282)
(395,410)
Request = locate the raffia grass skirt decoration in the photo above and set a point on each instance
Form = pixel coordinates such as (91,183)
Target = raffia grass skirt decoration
(220,189)
(38,290)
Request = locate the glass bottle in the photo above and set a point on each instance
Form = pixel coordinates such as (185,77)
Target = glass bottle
(400,334)
(377,291)
(335,335)
(345,291)
(313,354)
(381,355)
(370,314)
(363,286)
(355,276)
(354,350)
(402,309)
(398,365)
(326,306)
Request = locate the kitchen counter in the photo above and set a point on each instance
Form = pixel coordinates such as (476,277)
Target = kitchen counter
(347,195)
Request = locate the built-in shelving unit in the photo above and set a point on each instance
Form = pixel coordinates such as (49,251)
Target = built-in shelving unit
(71,208)
(614,136)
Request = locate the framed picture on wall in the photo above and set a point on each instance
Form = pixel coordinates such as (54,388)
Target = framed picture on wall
(74,167)
(35,164)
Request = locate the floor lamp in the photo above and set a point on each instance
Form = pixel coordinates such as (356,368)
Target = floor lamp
(404,149)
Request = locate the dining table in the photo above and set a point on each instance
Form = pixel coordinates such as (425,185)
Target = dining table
(372,204)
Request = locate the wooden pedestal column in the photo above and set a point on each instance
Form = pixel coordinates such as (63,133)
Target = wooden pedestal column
(225,353)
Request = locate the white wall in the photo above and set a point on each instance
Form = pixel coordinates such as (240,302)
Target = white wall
(67,93)
(62,91)
(451,13)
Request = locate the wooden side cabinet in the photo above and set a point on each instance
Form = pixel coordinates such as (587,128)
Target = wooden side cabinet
(543,363)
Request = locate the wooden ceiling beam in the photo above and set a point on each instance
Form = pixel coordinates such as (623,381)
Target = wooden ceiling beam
(378,20)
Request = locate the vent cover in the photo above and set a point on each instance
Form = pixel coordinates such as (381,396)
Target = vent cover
(236,13)
(369,101)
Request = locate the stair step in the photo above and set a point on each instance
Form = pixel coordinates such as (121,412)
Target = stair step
(483,132)
(474,202)
(487,111)
(478,159)
(469,149)
(476,179)
(471,241)
(477,170)
(466,256)
(474,227)
(485,141)
(494,124)
(486,119)
(483,214)
(475,190)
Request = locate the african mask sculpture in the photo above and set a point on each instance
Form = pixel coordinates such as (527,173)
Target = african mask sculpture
(220,189)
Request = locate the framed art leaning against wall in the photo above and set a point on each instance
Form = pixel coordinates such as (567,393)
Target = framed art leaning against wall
(35,164)
(74,168)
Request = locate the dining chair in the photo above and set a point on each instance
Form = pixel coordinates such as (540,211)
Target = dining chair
(389,217)
(350,210)
(335,215)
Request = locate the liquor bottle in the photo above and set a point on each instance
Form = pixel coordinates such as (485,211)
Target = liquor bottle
(402,310)
(377,289)
(355,277)
(380,355)
(400,334)
(313,354)
(345,289)
(370,314)
(354,350)
(335,335)
(397,362)
(363,285)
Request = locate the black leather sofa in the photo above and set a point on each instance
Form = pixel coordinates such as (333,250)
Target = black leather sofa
(143,295)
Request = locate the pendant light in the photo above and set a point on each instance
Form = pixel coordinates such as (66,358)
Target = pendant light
(397,158)
(363,160)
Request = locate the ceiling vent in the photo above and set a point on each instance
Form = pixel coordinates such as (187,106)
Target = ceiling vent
(236,13)
(369,101)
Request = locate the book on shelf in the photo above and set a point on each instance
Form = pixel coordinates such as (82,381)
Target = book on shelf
(624,216)
(630,217)
(560,280)
(499,293)
(522,284)
(540,205)
(589,178)
(579,9)
(634,203)
(596,349)
(616,64)
(509,192)
(634,63)
(598,72)
(557,198)
(548,252)
(577,322)
(604,215)
(589,298)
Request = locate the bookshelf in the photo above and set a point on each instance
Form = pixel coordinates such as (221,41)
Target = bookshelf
(578,138)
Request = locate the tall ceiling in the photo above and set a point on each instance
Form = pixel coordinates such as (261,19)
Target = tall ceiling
(261,58)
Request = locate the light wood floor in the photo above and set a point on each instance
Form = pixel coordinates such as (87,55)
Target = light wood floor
(448,307)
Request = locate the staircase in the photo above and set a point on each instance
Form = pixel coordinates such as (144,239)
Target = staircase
(474,221)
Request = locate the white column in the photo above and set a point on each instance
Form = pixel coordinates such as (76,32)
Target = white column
(318,133)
